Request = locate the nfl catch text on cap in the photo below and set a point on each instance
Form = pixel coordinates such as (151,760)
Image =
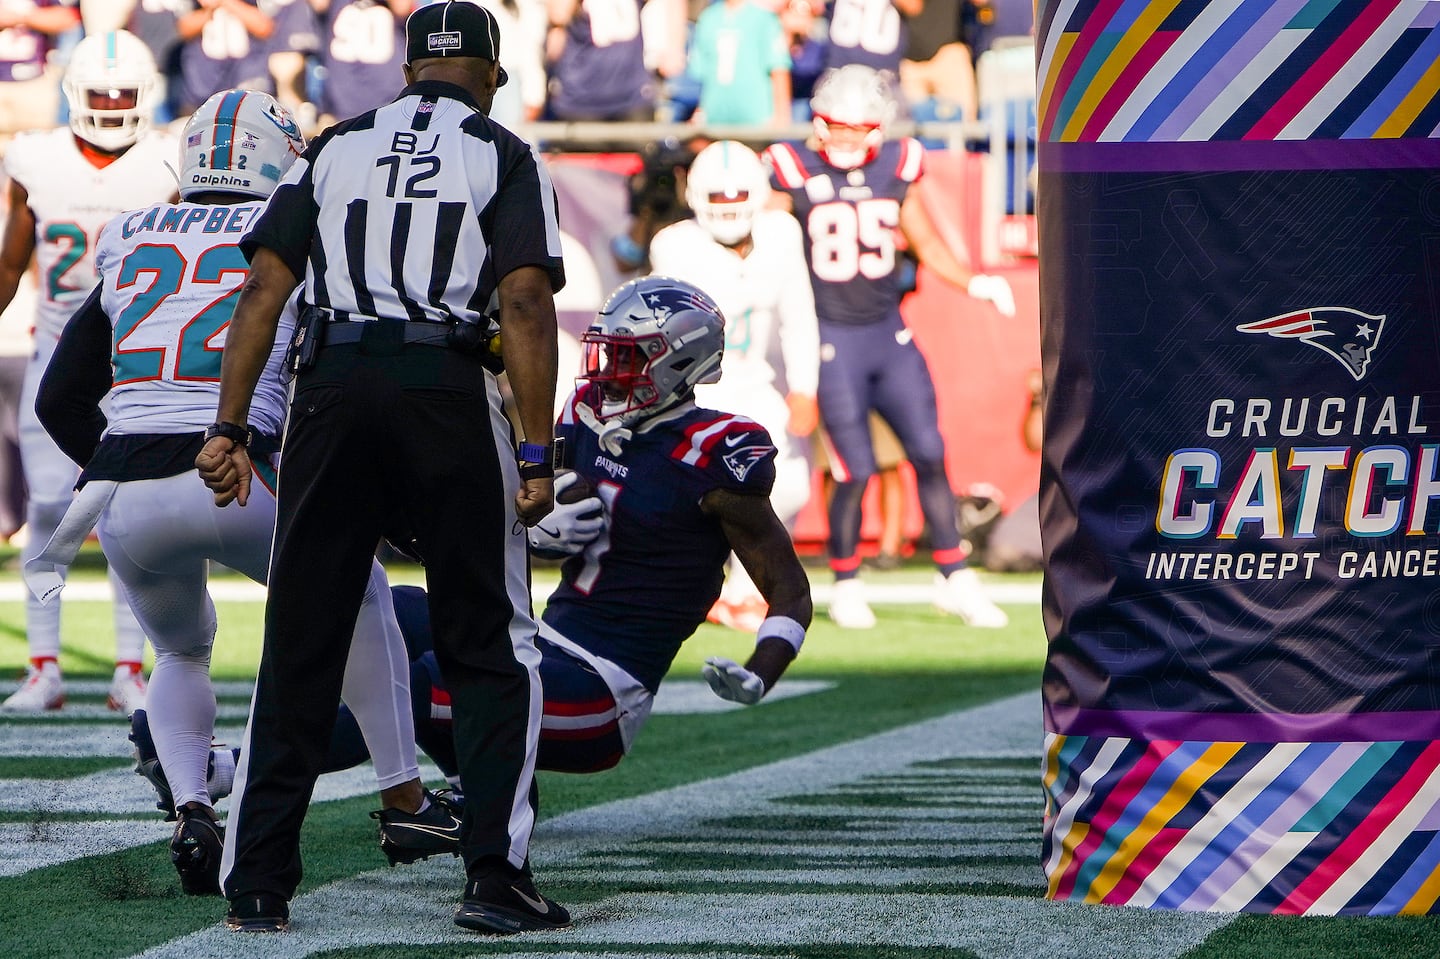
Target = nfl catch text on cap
(453,28)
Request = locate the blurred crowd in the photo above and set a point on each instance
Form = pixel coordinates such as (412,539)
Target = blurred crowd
(726,62)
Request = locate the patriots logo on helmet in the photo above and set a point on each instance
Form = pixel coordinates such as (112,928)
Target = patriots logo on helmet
(665,302)
(1349,336)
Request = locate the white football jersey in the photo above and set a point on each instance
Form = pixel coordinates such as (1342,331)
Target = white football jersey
(766,298)
(171,275)
(72,200)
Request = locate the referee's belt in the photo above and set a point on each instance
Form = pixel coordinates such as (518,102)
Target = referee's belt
(338,332)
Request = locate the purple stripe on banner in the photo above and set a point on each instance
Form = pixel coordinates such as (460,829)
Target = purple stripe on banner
(1257,23)
(1428,18)
(1156,726)
(1233,155)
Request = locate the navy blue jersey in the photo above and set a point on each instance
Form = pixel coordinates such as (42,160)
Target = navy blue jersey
(869,32)
(600,73)
(639,590)
(362,50)
(850,218)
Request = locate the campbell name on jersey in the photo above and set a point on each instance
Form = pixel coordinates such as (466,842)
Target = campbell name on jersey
(640,589)
(849,218)
(72,200)
(166,361)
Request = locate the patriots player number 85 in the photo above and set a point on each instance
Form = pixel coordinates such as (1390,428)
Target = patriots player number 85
(848,239)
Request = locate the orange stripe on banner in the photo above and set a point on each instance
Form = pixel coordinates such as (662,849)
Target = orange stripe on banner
(1130,46)
(1423,902)
(1409,108)
(1057,63)
(1133,845)
(1069,844)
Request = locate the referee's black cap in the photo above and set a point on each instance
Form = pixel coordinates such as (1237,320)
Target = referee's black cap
(453,28)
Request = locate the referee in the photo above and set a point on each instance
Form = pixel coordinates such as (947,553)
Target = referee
(404,223)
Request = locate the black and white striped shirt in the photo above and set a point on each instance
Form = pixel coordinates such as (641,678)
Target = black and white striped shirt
(388,214)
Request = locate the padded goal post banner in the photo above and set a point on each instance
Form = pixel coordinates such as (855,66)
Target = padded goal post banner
(1239,210)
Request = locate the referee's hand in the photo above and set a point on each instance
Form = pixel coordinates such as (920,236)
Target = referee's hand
(532,504)
(225,468)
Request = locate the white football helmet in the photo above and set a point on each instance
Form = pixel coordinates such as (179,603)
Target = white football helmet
(239,141)
(111,86)
(726,187)
(852,106)
(651,343)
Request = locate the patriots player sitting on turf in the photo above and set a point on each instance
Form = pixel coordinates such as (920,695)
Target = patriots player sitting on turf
(147,344)
(675,488)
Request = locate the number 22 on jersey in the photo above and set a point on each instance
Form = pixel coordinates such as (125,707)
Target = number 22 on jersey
(151,344)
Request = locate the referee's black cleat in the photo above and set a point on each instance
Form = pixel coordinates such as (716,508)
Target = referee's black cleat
(258,912)
(504,904)
(408,837)
(195,849)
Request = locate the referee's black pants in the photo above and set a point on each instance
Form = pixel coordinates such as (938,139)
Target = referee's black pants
(416,439)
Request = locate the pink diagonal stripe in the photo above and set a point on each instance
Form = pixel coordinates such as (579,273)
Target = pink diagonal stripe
(1112,808)
(1135,71)
(1322,70)
(1144,864)
(1355,845)
(1094,26)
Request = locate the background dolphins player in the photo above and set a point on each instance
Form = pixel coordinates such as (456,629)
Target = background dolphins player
(64,185)
(851,193)
(148,342)
(752,262)
(672,489)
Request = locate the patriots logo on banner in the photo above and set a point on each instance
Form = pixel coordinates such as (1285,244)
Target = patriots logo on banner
(739,462)
(1350,336)
(665,303)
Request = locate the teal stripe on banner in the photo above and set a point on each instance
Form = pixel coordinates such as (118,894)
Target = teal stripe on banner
(1345,788)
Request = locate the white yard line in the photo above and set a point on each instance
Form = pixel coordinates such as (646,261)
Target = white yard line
(636,839)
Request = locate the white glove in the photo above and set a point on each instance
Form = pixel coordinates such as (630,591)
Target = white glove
(729,680)
(996,289)
(570,527)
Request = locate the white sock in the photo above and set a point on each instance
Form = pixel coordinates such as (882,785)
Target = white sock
(181,712)
(222,773)
(377,686)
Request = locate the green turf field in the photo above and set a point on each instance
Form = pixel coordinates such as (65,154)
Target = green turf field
(891,809)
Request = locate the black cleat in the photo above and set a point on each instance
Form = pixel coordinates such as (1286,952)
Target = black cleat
(506,904)
(258,912)
(147,763)
(195,849)
(408,837)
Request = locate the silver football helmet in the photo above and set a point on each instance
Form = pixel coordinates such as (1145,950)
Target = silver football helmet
(727,186)
(651,343)
(852,106)
(111,86)
(239,141)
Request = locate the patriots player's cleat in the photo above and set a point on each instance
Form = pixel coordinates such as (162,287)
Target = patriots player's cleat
(961,594)
(848,608)
(501,904)
(407,837)
(258,912)
(127,689)
(195,849)
(147,763)
(43,689)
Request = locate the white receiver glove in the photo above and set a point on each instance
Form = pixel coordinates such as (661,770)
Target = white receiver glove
(996,289)
(729,680)
(570,527)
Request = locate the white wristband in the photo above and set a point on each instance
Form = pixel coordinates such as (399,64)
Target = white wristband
(781,627)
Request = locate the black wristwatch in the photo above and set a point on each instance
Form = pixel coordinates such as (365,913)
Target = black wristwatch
(239,435)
